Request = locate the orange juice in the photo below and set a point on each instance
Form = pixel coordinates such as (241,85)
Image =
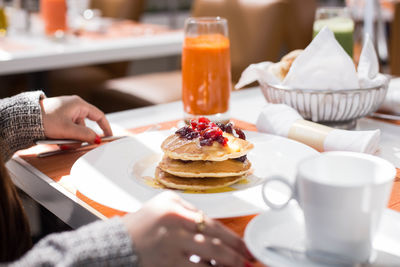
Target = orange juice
(206,74)
(54,15)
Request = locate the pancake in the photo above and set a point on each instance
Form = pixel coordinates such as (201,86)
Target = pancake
(179,148)
(175,182)
(202,169)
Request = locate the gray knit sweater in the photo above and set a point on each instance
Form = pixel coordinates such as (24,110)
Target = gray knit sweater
(102,243)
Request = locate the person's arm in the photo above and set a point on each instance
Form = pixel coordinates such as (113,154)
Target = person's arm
(20,122)
(165,232)
(102,243)
(30,116)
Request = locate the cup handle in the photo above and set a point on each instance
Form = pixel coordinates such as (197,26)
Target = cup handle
(271,204)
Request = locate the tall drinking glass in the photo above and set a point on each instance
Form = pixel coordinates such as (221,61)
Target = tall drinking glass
(339,20)
(206,69)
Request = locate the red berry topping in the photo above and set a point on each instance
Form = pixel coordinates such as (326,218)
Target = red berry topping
(201,126)
(222,140)
(242,158)
(204,120)
(240,133)
(193,123)
(229,128)
(209,132)
(212,133)
(187,133)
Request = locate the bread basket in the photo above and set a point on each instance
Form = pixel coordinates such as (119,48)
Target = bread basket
(335,108)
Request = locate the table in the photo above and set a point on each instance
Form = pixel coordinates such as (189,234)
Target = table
(245,106)
(38,53)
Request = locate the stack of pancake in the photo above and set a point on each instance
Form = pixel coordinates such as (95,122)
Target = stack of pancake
(187,165)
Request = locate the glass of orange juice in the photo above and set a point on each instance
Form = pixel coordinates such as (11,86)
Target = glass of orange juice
(206,69)
(54,15)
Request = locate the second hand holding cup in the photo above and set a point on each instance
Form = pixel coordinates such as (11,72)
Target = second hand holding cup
(206,69)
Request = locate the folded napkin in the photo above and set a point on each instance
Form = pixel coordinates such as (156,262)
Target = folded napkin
(392,99)
(280,119)
(368,67)
(324,64)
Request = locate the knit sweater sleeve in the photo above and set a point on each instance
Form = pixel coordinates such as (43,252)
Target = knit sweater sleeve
(20,122)
(102,243)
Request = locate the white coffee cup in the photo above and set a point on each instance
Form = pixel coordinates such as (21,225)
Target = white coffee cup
(342,195)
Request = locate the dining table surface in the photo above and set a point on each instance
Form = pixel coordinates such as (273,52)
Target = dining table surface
(47,180)
(121,41)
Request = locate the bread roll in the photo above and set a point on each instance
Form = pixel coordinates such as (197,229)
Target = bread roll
(281,68)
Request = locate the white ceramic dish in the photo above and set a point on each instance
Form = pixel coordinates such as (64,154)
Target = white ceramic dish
(285,229)
(116,174)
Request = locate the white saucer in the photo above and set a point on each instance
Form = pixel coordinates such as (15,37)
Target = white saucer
(285,229)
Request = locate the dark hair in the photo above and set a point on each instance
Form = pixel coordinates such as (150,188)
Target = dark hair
(14,228)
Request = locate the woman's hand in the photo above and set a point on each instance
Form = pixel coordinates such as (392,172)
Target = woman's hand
(64,118)
(166,231)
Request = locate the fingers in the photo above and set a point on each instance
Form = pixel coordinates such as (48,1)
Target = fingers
(80,132)
(59,114)
(185,214)
(218,230)
(98,116)
(187,205)
(81,121)
(187,263)
(212,228)
(173,198)
(211,248)
(73,146)
(215,229)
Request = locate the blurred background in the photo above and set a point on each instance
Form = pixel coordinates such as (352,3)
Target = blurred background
(259,31)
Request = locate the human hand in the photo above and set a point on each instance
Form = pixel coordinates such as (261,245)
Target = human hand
(64,118)
(166,232)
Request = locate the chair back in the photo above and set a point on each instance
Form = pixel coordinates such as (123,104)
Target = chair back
(123,9)
(300,20)
(395,41)
(258,29)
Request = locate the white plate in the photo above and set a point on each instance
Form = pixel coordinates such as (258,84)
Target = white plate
(115,174)
(285,229)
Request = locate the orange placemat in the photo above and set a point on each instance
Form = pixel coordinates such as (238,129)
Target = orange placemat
(58,168)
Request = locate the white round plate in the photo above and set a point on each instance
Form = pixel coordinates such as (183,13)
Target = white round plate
(284,231)
(117,174)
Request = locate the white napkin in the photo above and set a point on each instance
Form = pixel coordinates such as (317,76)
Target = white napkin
(324,64)
(280,119)
(368,67)
(257,72)
(392,100)
(277,119)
